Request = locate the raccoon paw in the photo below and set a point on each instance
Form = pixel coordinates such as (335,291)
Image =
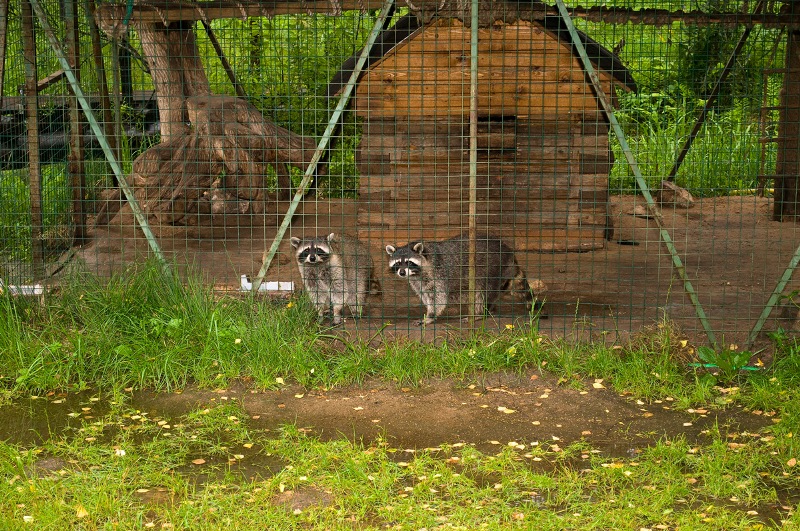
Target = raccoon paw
(538,310)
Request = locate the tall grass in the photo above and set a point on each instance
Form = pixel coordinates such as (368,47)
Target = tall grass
(724,157)
(142,328)
(146,329)
(15,216)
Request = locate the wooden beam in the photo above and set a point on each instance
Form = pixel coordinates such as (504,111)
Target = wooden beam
(164,12)
(31,115)
(787,167)
(102,81)
(75,165)
(52,79)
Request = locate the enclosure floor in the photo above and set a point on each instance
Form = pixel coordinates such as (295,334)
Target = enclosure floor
(733,253)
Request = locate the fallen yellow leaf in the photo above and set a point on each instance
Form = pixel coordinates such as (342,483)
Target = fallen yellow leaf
(81,512)
(791,462)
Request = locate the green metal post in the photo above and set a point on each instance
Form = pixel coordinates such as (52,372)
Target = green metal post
(98,131)
(609,111)
(269,253)
(473,157)
(773,299)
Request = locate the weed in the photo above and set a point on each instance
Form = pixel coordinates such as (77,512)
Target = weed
(137,470)
(730,362)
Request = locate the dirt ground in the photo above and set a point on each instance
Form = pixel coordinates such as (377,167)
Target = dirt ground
(733,253)
(488,411)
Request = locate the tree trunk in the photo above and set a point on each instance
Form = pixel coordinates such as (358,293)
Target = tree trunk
(787,168)
(75,165)
(219,164)
(32,119)
(177,72)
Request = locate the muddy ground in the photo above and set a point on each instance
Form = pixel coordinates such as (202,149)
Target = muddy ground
(733,253)
(487,411)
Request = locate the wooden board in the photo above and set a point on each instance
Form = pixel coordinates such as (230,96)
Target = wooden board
(522,70)
(501,69)
(391,143)
(530,240)
(503,150)
(521,204)
(443,218)
(591,123)
(443,66)
(529,105)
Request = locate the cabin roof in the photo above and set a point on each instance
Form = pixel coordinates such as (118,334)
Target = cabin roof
(408,26)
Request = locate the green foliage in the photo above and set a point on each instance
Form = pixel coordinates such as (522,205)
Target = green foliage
(212,465)
(15,215)
(284,64)
(725,156)
(730,362)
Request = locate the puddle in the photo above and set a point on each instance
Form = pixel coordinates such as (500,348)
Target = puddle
(498,409)
(31,421)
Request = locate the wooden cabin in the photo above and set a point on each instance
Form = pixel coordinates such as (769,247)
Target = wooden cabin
(543,149)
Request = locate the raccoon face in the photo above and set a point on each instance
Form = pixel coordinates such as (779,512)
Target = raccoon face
(407,261)
(311,252)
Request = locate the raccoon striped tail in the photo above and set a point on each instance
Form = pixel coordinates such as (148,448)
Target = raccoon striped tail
(374,285)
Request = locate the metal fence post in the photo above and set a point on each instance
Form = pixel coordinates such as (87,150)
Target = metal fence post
(609,111)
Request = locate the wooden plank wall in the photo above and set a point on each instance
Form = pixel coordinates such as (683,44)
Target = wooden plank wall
(543,153)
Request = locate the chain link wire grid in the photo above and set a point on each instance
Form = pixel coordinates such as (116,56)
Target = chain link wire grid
(215,112)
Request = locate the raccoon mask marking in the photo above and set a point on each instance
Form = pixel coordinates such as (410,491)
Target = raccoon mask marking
(405,264)
(312,252)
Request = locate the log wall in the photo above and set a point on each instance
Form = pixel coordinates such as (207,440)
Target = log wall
(543,152)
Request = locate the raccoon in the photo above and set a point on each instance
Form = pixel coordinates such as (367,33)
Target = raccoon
(439,273)
(337,270)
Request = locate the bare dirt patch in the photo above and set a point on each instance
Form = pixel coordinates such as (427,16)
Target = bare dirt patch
(733,252)
(492,410)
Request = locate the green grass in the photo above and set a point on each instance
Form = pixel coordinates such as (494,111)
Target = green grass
(725,156)
(141,329)
(149,330)
(15,214)
(126,470)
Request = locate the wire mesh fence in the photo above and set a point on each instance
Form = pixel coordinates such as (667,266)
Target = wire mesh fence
(588,174)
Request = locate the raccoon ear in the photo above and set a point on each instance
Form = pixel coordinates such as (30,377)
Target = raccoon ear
(419,248)
(331,237)
(390,250)
(295,242)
